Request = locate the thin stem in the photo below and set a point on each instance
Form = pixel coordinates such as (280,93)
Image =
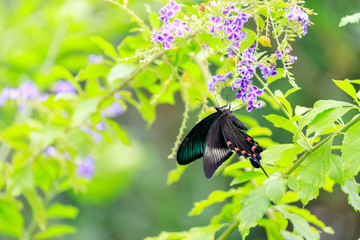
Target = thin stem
(229,230)
(307,153)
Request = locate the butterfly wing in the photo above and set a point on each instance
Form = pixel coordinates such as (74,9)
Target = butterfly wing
(193,145)
(216,150)
(241,143)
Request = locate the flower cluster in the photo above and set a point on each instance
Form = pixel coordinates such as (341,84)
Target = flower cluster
(26,91)
(230,25)
(286,57)
(166,35)
(216,78)
(298,15)
(84,169)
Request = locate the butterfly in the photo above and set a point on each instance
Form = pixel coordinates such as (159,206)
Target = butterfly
(216,138)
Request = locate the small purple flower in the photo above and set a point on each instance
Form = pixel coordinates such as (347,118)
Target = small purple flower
(169,11)
(85,169)
(212,4)
(180,27)
(296,14)
(64,86)
(50,151)
(8,93)
(100,126)
(112,110)
(253,105)
(267,71)
(216,25)
(28,90)
(216,78)
(95,58)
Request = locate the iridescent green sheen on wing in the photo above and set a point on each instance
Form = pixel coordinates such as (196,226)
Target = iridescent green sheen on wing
(193,145)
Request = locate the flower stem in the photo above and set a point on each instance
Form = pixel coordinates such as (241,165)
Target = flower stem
(229,230)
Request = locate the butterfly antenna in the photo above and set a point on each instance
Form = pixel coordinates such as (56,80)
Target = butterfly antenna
(264,171)
(201,101)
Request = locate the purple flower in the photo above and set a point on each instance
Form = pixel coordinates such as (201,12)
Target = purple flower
(112,110)
(296,14)
(253,105)
(50,151)
(85,169)
(267,71)
(28,90)
(100,126)
(95,58)
(180,27)
(169,11)
(8,93)
(64,86)
(216,78)
(216,24)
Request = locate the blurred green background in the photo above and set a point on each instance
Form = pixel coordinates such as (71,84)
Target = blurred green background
(135,202)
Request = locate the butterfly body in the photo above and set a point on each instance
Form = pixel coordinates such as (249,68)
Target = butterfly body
(216,138)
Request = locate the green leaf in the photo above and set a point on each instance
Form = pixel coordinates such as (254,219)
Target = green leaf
(281,122)
(275,152)
(11,219)
(146,109)
(107,47)
(272,229)
(291,91)
(118,72)
(279,75)
(289,197)
(37,207)
(203,233)
(253,207)
(119,132)
(84,109)
(246,176)
(352,189)
(300,110)
(286,103)
(275,188)
(22,179)
(326,119)
(62,72)
(154,20)
(313,171)
(351,151)
(55,231)
(301,226)
(249,39)
(58,210)
(319,107)
(347,87)
(93,71)
(214,197)
(175,174)
(306,214)
(290,236)
(355,18)
(336,171)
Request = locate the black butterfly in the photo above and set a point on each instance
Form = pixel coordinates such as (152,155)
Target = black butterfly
(215,138)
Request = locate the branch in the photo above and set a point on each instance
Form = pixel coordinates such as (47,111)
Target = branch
(307,153)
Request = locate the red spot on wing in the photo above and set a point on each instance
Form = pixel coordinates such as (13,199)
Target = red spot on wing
(249,139)
(228,143)
(243,152)
(249,154)
(254,155)
(237,149)
(253,148)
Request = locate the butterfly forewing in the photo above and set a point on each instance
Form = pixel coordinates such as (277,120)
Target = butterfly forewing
(193,145)
(216,150)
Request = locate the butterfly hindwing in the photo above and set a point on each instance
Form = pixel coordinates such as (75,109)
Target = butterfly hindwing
(241,143)
(193,145)
(216,150)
